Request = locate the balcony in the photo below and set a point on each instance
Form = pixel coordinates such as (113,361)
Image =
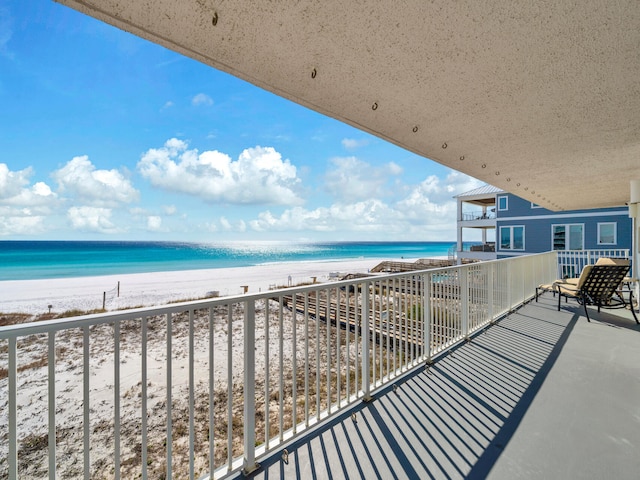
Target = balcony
(323,380)
(540,394)
(479,215)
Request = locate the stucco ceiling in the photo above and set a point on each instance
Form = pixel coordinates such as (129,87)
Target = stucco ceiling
(539,98)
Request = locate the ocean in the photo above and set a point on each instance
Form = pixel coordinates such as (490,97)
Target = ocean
(26,260)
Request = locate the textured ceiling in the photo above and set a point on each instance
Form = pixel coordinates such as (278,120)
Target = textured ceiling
(541,98)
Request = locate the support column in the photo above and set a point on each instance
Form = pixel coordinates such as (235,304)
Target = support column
(634,201)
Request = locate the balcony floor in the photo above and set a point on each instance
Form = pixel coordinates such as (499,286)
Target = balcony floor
(541,394)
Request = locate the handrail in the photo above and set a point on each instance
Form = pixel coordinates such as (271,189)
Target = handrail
(208,387)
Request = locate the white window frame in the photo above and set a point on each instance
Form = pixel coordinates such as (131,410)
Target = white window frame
(535,205)
(511,237)
(615,233)
(567,230)
(506,203)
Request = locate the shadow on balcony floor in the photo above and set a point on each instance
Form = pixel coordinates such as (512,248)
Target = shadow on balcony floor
(541,394)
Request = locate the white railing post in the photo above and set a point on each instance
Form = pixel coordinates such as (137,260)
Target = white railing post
(464,301)
(490,292)
(366,357)
(249,463)
(13,415)
(426,316)
(86,403)
(52,404)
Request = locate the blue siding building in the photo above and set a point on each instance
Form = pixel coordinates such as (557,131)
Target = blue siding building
(510,226)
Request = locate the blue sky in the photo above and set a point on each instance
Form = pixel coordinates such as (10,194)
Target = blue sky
(107,136)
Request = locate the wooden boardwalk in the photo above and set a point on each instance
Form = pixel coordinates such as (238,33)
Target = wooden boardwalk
(392,323)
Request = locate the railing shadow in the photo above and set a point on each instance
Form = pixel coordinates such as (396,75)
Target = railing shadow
(452,420)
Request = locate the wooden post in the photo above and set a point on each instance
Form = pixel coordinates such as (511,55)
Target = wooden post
(104,300)
(118,288)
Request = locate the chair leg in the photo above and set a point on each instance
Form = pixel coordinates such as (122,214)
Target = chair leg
(559,298)
(586,312)
(633,310)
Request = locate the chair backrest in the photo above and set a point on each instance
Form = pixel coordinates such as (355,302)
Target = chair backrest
(604,278)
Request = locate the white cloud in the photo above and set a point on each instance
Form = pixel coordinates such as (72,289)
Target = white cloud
(352,179)
(169,209)
(202,99)
(138,211)
(21,225)
(426,212)
(259,176)
(15,190)
(11,183)
(92,219)
(154,223)
(168,104)
(100,188)
(352,143)
(226,224)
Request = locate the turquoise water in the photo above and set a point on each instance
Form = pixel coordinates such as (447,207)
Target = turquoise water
(22,260)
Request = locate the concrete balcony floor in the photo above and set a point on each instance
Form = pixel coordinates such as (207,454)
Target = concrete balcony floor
(542,394)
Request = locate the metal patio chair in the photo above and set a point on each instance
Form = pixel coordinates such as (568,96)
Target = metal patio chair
(600,285)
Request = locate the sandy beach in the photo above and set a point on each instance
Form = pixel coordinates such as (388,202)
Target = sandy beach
(157,288)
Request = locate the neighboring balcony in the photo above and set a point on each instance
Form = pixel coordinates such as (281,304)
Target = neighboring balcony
(366,378)
(478,219)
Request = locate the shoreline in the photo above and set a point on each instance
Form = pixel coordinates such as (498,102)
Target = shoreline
(157,288)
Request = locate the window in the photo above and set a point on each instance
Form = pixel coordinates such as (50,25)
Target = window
(568,237)
(512,238)
(607,233)
(503,203)
(535,205)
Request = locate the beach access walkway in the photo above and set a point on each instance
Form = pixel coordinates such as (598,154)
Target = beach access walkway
(344,310)
(539,394)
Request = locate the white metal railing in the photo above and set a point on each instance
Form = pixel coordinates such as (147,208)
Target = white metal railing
(478,215)
(207,387)
(571,262)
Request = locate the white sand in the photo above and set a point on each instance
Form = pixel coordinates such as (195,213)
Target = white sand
(147,289)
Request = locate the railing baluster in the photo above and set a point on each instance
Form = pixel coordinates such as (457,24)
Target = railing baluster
(85,403)
(267,376)
(212,390)
(52,403)
(144,397)
(388,326)
(317,343)
(116,399)
(306,358)
(366,358)
(281,370)
(371,291)
(192,387)
(169,403)
(249,387)
(229,386)
(427,281)
(347,343)
(464,292)
(338,348)
(13,416)
(294,394)
(329,346)
(357,316)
